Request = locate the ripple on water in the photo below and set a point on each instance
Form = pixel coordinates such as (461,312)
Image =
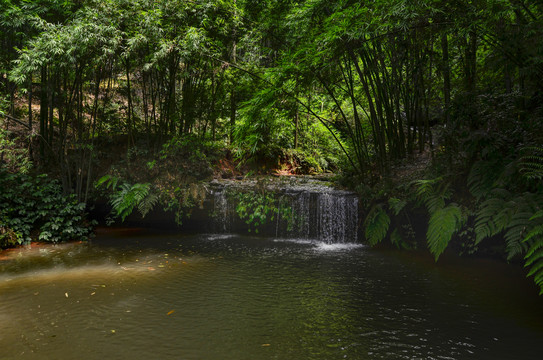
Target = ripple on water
(231,297)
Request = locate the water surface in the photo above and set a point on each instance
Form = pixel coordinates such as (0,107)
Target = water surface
(145,296)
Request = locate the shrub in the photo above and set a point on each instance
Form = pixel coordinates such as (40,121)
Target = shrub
(34,208)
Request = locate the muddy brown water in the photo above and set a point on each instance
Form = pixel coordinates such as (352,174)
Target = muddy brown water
(139,295)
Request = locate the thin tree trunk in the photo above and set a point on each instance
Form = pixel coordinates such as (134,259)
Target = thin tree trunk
(129,110)
(446,77)
(30,117)
(43,111)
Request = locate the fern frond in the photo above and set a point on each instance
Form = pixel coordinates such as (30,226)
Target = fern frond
(396,205)
(140,191)
(109,180)
(433,193)
(376,225)
(102,180)
(534,255)
(434,203)
(424,187)
(482,177)
(130,196)
(442,226)
(531,164)
(535,232)
(515,234)
(147,204)
(494,216)
(537,215)
(536,269)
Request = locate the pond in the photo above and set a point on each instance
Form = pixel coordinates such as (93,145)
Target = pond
(137,295)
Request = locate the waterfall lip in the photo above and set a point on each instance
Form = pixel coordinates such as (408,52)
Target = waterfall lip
(295,185)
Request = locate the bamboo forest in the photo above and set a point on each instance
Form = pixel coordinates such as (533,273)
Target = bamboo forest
(271,179)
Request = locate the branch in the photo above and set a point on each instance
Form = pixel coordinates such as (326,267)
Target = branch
(9,117)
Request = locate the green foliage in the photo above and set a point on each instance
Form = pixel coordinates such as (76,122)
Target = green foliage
(396,205)
(443,224)
(483,176)
(182,199)
(264,128)
(376,225)
(124,198)
(510,214)
(191,155)
(261,207)
(445,219)
(8,237)
(493,216)
(34,208)
(12,157)
(531,163)
(433,193)
(129,197)
(534,255)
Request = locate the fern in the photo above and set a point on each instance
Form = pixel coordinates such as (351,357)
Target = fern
(516,232)
(445,220)
(109,181)
(147,204)
(442,226)
(531,164)
(493,216)
(396,205)
(534,255)
(433,193)
(482,176)
(129,197)
(376,225)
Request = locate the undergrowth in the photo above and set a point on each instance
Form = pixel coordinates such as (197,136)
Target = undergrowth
(35,208)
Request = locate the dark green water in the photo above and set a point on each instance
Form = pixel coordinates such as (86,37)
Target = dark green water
(144,296)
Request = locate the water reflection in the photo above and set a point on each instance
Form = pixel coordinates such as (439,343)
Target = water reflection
(231,297)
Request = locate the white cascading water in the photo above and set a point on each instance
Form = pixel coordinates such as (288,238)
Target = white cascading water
(330,217)
(222,211)
(318,213)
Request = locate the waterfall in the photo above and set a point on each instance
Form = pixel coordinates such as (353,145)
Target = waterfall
(316,213)
(330,216)
(222,211)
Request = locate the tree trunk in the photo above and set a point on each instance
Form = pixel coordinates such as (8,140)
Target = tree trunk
(446,77)
(129,110)
(30,117)
(43,111)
